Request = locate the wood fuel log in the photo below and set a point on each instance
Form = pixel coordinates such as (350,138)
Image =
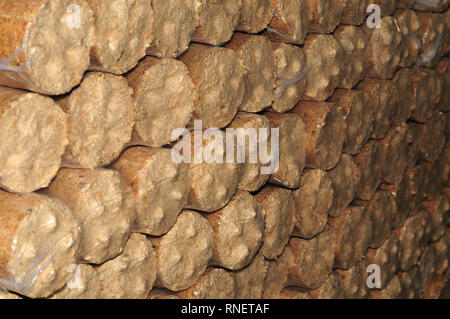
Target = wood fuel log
(45,44)
(124,29)
(103,206)
(219,80)
(174,24)
(354,42)
(290,22)
(292,148)
(290,73)
(325,15)
(313,201)
(184,252)
(217,20)
(357,117)
(39,241)
(33,131)
(162,89)
(101,117)
(384,48)
(159,186)
(325,57)
(256,57)
(278,209)
(370,162)
(353,232)
(325,132)
(238,232)
(130,275)
(345,178)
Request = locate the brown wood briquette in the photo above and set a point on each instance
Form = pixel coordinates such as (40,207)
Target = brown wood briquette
(370,162)
(124,29)
(325,128)
(313,201)
(354,42)
(33,135)
(45,44)
(39,241)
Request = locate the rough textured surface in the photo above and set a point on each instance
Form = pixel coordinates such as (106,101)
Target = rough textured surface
(313,201)
(370,162)
(8,296)
(352,282)
(384,101)
(256,58)
(252,177)
(354,42)
(239,229)
(413,237)
(292,148)
(406,4)
(417,177)
(381,210)
(387,6)
(215,283)
(357,117)
(427,92)
(184,252)
(101,116)
(444,73)
(291,21)
(278,209)
(162,88)
(124,29)
(432,137)
(159,185)
(312,260)
(438,214)
(130,275)
(325,57)
(413,137)
(250,281)
(395,149)
(432,36)
(329,290)
(384,48)
(402,193)
(353,231)
(290,71)
(103,206)
(325,132)
(409,26)
(404,81)
(255,15)
(217,20)
(44,48)
(325,15)
(34,263)
(212,184)
(83,284)
(33,131)
(345,178)
(277,274)
(433,263)
(174,25)
(355,11)
(426,5)
(293,293)
(219,80)
(391,290)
